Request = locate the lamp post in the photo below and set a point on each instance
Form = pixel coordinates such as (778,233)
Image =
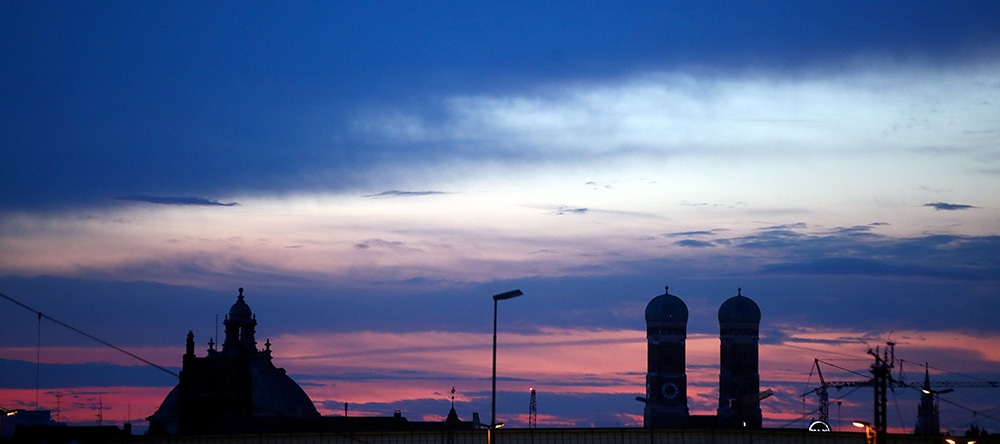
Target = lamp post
(496,298)
(868,430)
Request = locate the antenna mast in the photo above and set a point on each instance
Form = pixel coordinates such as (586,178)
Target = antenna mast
(532,411)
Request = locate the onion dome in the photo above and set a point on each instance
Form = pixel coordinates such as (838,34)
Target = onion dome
(739,309)
(240,311)
(666,308)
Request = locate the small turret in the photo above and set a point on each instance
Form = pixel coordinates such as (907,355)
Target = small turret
(241,325)
(189,344)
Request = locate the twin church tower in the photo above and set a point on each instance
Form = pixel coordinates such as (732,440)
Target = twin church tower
(666,377)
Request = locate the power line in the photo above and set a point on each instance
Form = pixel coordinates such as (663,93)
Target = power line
(42,315)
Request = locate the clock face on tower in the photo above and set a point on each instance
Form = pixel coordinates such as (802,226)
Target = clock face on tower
(669,390)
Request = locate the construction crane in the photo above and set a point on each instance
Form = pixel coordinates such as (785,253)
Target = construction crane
(823,390)
(881,380)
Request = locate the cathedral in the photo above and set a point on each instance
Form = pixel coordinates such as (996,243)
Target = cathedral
(666,377)
(238,390)
(229,388)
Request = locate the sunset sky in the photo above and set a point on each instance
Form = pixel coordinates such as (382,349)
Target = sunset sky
(372,172)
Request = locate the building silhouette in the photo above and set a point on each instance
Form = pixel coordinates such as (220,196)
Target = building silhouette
(928,422)
(666,377)
(238,390)
(739,380)
(230,387)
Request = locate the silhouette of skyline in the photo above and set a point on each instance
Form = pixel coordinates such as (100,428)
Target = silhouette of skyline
(371,174)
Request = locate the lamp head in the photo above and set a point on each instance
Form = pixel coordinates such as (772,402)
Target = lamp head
(507,295)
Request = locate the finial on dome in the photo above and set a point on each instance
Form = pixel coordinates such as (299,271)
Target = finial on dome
(739,291)
(240,297)
(666,289)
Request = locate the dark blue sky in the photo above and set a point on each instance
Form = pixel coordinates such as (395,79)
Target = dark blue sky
(188,98)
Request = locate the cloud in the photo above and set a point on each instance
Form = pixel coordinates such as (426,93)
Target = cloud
(384,244)
(397,193)
(944,206)
(712,232)
(166,200)
(694,243)
(859,251)
(568,210)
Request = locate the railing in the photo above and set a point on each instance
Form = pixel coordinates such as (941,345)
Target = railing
(550,436)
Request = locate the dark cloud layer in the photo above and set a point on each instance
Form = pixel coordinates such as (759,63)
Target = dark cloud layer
(21,375)
(796,276)
(944,206)
(858,250)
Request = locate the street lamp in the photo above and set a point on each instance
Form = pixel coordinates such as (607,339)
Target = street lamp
(936,392)
(496,298)
(868,430)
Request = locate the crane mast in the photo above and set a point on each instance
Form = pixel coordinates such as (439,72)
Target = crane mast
(881,381)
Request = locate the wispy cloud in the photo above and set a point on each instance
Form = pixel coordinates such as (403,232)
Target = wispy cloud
(569,210)
(711,232)
(171,200)
(944,206)
(380,243)
(694,243)
(398,193)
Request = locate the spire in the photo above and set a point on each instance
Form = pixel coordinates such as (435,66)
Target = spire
(927,378)
(928,419)
(452,420)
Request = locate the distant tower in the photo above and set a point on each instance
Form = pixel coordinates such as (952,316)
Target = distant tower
(928,421)
(666,380)
(739,380)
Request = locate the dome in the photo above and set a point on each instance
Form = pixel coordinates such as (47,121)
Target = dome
(240,310)
(273,393)
(666,308)
(276,394)
(739,309)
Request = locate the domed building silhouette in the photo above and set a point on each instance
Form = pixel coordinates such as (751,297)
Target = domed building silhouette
(238,390)
(666,380)
(232,387)
(739,380)
(666,377)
